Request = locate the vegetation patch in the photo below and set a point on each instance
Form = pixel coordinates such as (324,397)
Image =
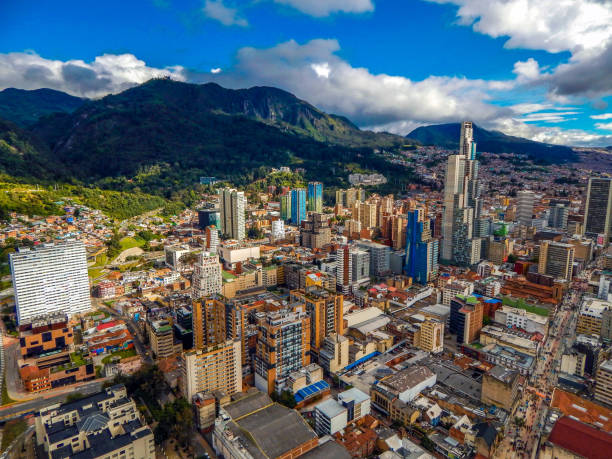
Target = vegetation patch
(11,431)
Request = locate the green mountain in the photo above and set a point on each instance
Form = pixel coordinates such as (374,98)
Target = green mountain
(163,135)
(24,107)
(23,155)
(447,136)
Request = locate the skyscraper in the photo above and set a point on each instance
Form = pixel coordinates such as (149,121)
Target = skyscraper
(208,322)
(462,204)
(598,209)
(421,249)
(556,259)
(315,197)
(50,278)
(557,218)
(285,206)
(206,275)
(232,206)
(344,269)
(298,206)
(524,207)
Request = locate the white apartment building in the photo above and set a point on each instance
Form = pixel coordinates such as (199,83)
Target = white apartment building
(524,207)
(50,278)
(232,205)
(206,276)
(278,230)
(455,288)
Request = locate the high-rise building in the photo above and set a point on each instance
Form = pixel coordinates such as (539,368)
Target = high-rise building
(206,276)
(462,203)
(209,217)
(603,383)
(211,238)
(367,214)
(283,346)
(212,368)
(466,317)
(344,269)
(316,231)
(232,213)
(557,217)
(598,208)
(347,198)
(326,313)
(524,207)
(431,336)
(556,259)
(50,278)
(208,322)
(278,230)
(315,197)
(379,257)
(285,206)
(421,249)
(360,265)
(298,206)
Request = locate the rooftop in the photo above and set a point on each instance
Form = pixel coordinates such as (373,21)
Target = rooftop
(408,378)
(581,439)
(330,408)
(583,410)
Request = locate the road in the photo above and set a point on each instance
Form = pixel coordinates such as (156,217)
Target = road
(21,409)
(522,441)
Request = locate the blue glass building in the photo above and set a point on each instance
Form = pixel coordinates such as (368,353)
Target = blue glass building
(315,197)
(298,206)
(421,250)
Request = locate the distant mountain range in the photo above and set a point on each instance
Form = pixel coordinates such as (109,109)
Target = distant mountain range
(163,135)
(447,136)
(25,108)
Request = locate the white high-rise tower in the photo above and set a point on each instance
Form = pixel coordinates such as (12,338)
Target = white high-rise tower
(206,276)
(50,278)
(232,205)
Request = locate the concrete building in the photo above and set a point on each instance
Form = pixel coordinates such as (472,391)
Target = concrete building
(598,208)
(500,388)
(360,268)
(557,218)
(232,207)
(603,383)
(466,317)
(206,276)
(344,269)
(161,339)
(404,385)
(212,368)
(379,257)
(556,259)
(524,207)
(283,346)
(325,309)
(173,255)
(50,278)
(330,417)
(83,428)
(591,315)
(430,337)
(334,353)
(208,322)
(315,232)
(519,318)
(278,230)
(252,426)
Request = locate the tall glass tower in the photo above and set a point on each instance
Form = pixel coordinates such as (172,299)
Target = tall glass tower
(298,206)
(315,197)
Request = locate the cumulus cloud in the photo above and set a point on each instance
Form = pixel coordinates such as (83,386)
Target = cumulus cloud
(604,116)
(321,8)
(217,10)
(315,73)
(581,27)
(108,73)
(606,126)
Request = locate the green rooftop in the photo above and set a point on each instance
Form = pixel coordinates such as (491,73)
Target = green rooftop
(227,275)
(520,303)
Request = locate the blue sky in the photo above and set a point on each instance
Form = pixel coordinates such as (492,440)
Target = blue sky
(514,65)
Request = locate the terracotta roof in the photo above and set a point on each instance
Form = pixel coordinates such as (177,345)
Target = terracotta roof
(581,439)
(583,410)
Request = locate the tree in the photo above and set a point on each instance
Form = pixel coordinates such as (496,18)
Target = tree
(189,258)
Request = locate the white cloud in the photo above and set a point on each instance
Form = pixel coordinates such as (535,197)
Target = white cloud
(108,73)
(526,71)
(551,25)
(606,126)
(321,8)
(604,116)
(216,9)
(215,70)
(582,27)
(549,117)
(314,72)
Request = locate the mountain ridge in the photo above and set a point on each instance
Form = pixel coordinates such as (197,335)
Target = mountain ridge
(447,136)
(25,107)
